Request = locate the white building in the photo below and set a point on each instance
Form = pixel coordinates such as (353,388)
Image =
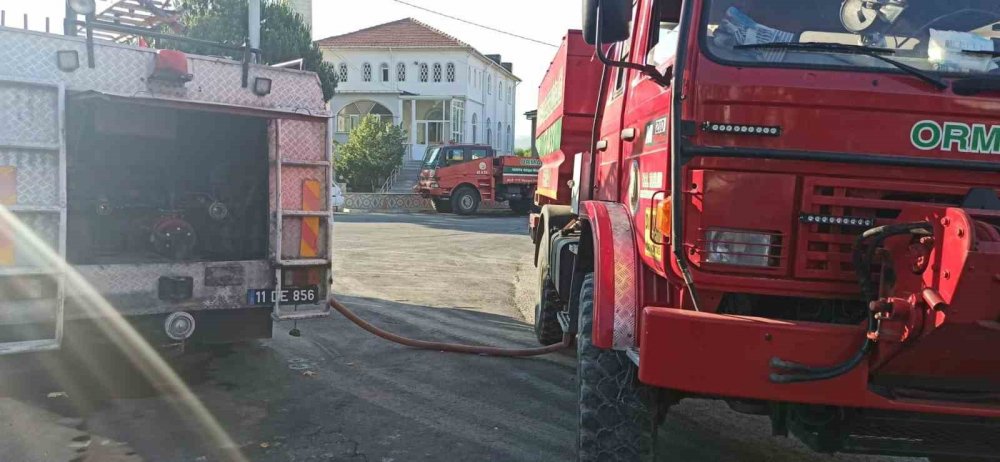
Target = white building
(437,87)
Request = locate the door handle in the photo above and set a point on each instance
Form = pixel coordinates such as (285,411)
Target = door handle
(602,145)
(628,134)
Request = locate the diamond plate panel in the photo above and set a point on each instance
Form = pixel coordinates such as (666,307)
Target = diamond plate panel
(291,185)
(132,289)
(625,277)
(37,175)
(123,70)
(291,235)
(303,140)
(45,228)
(29,115)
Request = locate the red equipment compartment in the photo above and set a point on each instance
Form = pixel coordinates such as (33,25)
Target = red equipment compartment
(567,99)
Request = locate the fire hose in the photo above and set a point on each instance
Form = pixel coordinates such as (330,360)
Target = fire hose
(864,252)
(449,347)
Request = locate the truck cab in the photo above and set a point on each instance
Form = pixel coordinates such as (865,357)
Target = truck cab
(768,186)
(460,177)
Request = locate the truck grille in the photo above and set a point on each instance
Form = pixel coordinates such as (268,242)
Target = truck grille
(824,250)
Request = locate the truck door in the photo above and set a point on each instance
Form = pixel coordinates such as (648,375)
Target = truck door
(647,119)
(32,215)
(608,169)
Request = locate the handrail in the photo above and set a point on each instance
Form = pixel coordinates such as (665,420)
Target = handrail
(391,179)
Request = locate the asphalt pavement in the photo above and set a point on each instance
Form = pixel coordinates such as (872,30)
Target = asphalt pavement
(338,393)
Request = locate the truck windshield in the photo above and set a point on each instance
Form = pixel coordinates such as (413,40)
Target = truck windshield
(939,36)
(431,157)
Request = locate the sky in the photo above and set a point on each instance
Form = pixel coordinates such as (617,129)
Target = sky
(544,20)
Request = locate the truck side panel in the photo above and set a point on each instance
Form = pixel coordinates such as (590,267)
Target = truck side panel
(566,103)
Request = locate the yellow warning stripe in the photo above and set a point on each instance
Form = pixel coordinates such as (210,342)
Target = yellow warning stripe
(311,202)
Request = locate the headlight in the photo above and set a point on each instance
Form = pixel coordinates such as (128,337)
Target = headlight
(741,248)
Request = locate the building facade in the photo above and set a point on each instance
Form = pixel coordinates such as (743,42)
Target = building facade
(438,88)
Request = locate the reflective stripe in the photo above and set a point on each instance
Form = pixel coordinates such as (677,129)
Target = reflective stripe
(8,196)
(311,202)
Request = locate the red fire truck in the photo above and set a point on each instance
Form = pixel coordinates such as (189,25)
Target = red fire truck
(185,194)
(457,178)
(787,205)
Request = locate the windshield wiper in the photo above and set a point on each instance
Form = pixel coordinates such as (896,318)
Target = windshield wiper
(877,53)
(983,52)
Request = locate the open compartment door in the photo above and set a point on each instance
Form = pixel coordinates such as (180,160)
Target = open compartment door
(301,174)
(32,215)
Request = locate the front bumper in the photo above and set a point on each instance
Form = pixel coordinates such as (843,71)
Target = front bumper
(728,356)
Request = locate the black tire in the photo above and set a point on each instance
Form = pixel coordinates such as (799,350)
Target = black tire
(441,205)
(465,200)
(614,421)
(520,206)
(547,328)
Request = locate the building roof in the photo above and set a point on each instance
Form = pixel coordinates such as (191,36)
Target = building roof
(403,33)
(406,33)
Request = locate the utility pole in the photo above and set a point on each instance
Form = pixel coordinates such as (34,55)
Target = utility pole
(254,26)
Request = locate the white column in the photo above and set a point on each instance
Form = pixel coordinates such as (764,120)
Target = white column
(413,121)
(400,111)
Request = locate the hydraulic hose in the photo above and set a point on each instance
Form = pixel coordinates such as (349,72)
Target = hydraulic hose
(864,252)
(449,347)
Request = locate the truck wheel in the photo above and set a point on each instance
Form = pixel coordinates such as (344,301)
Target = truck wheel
(465,201)
(441,205)
(520,206)
(614,420)
(547,328)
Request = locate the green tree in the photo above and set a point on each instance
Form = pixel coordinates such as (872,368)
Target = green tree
(373,149)
(522,152)
(283,34)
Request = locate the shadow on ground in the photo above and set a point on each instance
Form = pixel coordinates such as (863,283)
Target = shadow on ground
(444,221)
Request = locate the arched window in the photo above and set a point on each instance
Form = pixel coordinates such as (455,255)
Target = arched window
(509,140)
(437,72)
(450,70)
(342,72)
(400,72)
(500,90)
(366,72)
(489,84)
(489,132)
(423,72)
(475,128)
(499,134)
(384,72)
(350,116)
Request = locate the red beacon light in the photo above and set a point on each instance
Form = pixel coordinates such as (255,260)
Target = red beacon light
(171,66)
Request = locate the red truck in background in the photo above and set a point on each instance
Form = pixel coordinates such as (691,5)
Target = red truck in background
(788,205)
(458,178)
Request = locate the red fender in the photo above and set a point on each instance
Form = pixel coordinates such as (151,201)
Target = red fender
(616,294)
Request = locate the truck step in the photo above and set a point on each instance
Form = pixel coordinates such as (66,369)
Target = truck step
(29,346)
(301,315)
(914,434)
(299,263)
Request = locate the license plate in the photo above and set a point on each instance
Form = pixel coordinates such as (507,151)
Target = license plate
(287,296)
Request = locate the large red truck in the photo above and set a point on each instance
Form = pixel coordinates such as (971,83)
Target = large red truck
(787,205)
(459,177)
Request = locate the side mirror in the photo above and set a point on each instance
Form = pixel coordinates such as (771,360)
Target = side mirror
(614,20)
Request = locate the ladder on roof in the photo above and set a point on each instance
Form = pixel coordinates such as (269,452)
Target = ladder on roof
(32,215)
(303,220)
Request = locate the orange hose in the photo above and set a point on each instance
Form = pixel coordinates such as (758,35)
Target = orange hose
(450,347)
